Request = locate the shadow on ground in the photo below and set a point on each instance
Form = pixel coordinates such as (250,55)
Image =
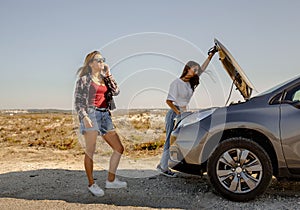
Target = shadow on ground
(185,191)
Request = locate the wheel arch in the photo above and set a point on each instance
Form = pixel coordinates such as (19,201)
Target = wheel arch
(255,136)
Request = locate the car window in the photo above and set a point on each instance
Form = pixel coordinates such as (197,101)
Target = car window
(276,99)
(293,94)
(296,96)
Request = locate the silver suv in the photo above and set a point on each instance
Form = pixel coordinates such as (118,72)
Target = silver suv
(242,145)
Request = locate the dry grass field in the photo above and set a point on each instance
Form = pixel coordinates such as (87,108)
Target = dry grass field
(38,130)
(141,131)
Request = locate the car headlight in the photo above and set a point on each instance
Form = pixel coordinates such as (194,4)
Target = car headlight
(195,117)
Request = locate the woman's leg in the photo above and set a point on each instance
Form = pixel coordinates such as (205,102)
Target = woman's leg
(90,142)
(169,122)
(112,138)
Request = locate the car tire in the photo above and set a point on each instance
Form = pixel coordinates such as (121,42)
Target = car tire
(239,169)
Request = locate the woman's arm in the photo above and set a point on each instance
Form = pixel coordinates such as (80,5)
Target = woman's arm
(211,53)
(111,82)
(80,100)
(172,106)
(113,85)
(206,62)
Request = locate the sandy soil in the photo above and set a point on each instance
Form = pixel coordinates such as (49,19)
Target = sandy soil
(43,178)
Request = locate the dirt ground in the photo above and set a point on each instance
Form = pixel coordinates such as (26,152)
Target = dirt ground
(45,178)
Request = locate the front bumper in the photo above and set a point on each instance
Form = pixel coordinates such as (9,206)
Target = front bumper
(182,165)
(187,144)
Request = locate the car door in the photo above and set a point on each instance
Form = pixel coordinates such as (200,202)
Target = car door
(290,127)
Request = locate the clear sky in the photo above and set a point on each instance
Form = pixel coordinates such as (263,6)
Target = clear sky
(147,43)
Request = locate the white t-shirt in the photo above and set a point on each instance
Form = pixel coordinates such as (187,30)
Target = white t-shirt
(180,92)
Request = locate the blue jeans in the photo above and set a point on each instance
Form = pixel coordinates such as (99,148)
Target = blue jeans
(169,121)
(101,122)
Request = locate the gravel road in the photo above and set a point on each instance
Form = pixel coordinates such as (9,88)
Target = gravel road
(65,189)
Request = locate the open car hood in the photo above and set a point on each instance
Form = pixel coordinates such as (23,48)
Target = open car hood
(235,71)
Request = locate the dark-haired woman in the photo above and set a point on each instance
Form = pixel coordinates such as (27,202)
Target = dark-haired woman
(93,102)
(180,92)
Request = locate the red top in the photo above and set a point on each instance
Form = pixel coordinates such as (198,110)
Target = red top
(96,95)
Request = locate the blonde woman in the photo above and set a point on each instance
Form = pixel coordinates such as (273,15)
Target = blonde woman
(93,102)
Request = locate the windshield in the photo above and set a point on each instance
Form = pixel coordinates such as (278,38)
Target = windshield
(275,87)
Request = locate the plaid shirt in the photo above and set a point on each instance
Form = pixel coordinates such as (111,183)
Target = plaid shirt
(82,94)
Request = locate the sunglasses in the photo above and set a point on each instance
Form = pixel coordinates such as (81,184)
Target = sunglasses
(99,60)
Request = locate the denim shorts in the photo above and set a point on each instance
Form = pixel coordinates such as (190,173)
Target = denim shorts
(101,121)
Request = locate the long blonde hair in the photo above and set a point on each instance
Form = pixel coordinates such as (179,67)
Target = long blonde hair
(85,69)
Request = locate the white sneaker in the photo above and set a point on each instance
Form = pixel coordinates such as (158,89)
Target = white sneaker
(115,184)
(96,190)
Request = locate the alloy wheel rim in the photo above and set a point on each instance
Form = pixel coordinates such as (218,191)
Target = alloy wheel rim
(239,170)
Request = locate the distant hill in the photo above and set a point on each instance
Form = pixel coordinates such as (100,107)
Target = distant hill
(33,111)
(45,111)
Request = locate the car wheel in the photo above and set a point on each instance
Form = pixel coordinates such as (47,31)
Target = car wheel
(239,169)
